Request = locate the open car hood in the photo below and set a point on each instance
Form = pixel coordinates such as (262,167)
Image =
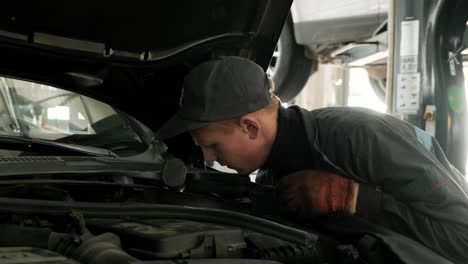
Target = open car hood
(133,55)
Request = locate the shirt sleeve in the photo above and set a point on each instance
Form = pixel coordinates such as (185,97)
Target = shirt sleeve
(400,163)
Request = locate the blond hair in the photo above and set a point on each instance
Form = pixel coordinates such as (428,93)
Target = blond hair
(228,125)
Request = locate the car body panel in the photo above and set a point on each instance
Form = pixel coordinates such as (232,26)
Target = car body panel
(324,22)
(100,50)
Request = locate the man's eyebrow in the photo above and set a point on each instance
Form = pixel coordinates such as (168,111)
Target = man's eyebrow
(195,141)
(203,144)
(199,143)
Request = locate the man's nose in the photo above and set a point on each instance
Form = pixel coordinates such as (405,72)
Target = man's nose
(208,155)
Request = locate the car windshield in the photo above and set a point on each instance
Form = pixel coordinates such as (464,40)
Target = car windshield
(39,111)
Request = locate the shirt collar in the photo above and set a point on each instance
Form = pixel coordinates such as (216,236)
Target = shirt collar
(290,151)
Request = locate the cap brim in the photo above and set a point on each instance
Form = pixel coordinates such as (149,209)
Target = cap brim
(176,126)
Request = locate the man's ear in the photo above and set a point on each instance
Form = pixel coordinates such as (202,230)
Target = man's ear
(250,125)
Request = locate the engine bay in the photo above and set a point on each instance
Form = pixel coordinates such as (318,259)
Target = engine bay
(50,221)
(72,239)
(168,240)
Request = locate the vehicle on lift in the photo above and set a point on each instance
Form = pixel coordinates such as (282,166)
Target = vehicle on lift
(83,181)
(314,32)
(356,34)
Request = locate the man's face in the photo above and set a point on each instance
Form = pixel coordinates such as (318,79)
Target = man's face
(234,149)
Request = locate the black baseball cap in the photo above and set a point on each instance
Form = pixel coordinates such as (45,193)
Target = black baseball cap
(216,90)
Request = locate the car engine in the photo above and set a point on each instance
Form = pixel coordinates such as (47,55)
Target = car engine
(70,221)
(146,241)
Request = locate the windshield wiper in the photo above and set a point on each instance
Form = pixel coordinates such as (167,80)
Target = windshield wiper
(42,145)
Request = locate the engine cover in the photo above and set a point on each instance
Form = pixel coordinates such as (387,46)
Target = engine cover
(172,238)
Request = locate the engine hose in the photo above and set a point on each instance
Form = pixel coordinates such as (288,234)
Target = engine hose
(100,249)
(104,248)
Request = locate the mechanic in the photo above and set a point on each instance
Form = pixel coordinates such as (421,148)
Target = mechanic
(346,159)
